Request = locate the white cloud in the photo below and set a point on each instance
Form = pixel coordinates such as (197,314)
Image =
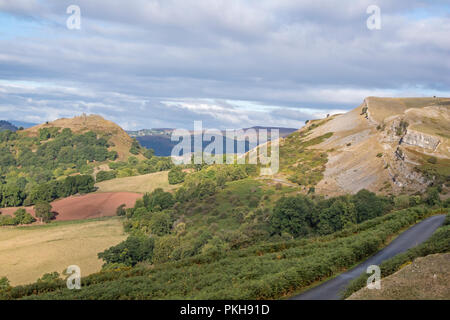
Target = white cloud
(229,62)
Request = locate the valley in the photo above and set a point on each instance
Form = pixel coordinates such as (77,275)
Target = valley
(347,185)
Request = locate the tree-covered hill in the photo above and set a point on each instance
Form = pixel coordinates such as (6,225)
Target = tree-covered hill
(47,162)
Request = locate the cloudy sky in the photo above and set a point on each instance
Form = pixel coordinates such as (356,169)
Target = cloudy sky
(230,63)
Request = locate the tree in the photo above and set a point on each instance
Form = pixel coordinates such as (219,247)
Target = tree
(367,205)
(176,175)
(160,223)
(23,217)
(129,252)
(432,197)
(293,215)
(121,210)
(43,211)
(148,153)
(135,147)
(158,200)
(336,217)
(4,284)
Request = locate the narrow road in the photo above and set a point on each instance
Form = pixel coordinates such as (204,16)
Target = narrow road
(412,237)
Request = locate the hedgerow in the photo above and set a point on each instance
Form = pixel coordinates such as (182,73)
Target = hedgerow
(264,271)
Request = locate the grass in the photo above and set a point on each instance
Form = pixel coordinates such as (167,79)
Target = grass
(26,253)
(140,184)
(303,165)
(264,271)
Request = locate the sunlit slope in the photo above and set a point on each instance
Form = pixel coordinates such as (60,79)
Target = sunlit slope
(386,145)
(119,139)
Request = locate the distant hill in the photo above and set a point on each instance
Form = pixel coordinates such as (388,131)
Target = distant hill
(159,140)
(22,124)
(6,125)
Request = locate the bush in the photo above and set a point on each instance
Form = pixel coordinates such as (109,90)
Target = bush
(7,221)
(432,160)
(106,175)
(432,196)
(129,252)
(176,175)
(120,211)
(23,217)
(160,223)
(292,215)
(4,284)
(49,277)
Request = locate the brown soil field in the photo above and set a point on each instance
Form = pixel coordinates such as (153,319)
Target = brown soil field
(93,205)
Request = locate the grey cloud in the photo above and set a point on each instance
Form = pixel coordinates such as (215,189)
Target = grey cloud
(132,55)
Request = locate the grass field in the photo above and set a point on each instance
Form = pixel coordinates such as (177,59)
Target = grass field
(26,253)
(140,184)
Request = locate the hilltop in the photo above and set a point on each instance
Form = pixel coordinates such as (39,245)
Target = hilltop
(120,141)
(385,145)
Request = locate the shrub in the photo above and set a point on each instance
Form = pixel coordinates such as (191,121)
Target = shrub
(23,217)
(120,211)
(106,175)
(292,215)
(4,284)
(176,175)
(160,223)
(129,252)
(432,160)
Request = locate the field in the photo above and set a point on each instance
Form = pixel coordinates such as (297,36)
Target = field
(93,205)
(26,253)
(140,184)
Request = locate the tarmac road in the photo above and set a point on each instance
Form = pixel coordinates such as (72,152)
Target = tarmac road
(410,238)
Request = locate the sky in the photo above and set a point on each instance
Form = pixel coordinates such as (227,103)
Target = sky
(229,63)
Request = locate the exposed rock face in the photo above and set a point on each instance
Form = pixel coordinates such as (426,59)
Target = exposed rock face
(380,145)
(422,140)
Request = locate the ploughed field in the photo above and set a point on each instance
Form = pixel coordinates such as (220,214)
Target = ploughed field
(88,206)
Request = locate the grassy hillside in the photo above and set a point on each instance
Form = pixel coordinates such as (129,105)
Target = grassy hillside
(262,271)
(378,146)
(141,184)
(228,233)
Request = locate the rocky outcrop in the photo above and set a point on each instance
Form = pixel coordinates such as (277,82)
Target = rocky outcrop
(419,139)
